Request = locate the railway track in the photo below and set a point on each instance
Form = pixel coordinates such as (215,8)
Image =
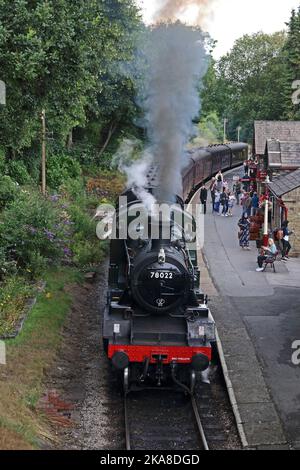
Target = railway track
(170,420)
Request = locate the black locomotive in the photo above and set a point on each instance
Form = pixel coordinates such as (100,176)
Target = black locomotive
(157,325)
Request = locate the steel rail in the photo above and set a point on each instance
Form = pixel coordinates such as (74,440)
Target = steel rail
(199,423)
(127,428)
(196,415)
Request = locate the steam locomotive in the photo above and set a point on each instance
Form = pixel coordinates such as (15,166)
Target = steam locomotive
(157,327)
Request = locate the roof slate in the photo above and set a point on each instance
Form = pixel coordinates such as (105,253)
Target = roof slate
(285,184)
(288,131)
(283,155)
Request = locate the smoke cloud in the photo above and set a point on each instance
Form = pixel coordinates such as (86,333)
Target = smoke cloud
(172,10)
(176,61)
(135,170)
(172,59)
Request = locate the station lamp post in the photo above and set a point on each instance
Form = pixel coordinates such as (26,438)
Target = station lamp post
(266,219)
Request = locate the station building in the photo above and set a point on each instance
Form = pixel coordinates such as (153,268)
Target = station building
(283,131)
(285,192)
(277,148)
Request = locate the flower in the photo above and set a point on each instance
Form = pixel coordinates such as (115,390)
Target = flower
(67,251)
(32,230)
(49,235)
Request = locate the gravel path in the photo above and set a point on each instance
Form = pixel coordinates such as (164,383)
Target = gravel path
(82,375)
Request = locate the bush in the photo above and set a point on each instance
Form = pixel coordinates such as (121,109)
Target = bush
(2,162)
(108,185)
(8,191)
(83,226)
(17,170)
(86,253)
(72,189)
(7,267)
(14,293)
(61,168)
(30,232)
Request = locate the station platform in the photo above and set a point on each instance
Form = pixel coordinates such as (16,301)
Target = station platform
(258,320)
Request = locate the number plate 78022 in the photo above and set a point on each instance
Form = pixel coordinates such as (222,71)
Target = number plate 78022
(161,275)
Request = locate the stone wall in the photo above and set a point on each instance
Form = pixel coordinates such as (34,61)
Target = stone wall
(292,202)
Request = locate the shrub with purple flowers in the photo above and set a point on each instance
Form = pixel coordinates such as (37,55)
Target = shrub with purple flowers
(31,234)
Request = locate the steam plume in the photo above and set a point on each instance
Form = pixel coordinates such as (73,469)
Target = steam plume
(136,172)
(171,10)
(177,60)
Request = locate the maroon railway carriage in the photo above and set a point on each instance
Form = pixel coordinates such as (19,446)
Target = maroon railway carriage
(206,162)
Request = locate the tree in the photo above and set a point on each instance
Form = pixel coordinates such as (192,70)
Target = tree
(113,104)
(210,130)
(248,82)
(63,56)
(292,54)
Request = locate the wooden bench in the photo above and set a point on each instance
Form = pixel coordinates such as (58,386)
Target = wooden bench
(270,261)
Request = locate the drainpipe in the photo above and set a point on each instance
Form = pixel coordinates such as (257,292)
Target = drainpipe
(266,224)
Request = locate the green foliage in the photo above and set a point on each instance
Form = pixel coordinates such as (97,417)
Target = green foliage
(63,56)
(292,57)
(60,168)
(2,161)
(83,226)
(8,191)
(29,232)
(14,293)
(248,83)
(18,172)
(73,189)
(210,130)
(7,267)
(88,253)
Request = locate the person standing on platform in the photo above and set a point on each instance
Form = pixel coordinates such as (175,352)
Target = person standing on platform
(243,201)
(231,203)
(203,197)
(248,204)
(238,191)
(213,188)
(286,240)
(255,204)
(224,202)
(244,233)
(219,180)
(246,183)
(217,202)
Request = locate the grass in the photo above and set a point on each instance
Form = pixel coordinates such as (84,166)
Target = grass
(14,293)
(28,356)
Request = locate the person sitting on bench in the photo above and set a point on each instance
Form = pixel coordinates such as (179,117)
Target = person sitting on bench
(269,253)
